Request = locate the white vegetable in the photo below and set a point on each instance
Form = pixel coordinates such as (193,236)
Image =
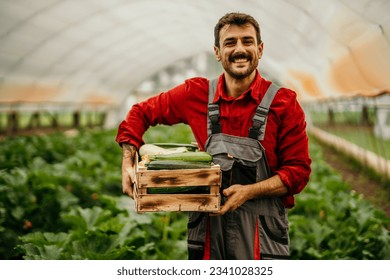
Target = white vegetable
(150,149)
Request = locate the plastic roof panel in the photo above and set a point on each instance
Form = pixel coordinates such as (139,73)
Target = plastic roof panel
(84,51)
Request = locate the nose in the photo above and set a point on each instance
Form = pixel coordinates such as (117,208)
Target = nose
(239,46)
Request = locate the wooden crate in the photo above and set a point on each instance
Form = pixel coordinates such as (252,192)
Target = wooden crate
(145,179)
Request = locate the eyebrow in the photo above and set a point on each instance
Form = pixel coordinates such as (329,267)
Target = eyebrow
(249,37)
(243,38)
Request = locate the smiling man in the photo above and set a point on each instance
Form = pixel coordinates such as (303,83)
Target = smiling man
(239,50)
(254,130)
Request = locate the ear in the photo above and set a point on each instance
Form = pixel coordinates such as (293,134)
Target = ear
(217,53)
(260,49)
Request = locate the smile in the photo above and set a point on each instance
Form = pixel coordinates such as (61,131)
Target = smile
(240,60)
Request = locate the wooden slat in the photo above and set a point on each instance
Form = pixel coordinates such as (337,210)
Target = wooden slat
(214,190)
(179,178)
(145,179)
(178,202)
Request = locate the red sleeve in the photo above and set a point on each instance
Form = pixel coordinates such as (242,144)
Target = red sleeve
(168,108)
(165,108)
(293,151)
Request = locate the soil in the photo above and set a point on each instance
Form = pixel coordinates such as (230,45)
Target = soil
(370,186)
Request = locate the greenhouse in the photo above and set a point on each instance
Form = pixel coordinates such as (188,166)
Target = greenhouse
(71,70)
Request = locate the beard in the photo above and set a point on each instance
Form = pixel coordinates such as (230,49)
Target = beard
(240,73)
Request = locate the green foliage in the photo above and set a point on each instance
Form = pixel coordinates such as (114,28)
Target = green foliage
(179,133)
(105,234)
(330,221)
(60,198)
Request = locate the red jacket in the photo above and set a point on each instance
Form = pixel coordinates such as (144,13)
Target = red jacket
(285,142)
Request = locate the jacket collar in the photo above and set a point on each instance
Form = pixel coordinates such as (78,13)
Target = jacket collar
(253,90)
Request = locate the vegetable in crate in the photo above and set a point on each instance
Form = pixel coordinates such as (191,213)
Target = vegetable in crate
(151,149)
(187,160)
(176,164)
(189,147)
(158,158)
(186,156)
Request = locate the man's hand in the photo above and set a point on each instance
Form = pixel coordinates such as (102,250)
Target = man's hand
(128,169)
(238,194)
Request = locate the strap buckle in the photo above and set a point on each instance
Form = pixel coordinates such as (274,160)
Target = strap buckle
(214,118)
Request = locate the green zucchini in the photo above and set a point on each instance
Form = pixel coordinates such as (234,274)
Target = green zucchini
(186,156)
(176,164)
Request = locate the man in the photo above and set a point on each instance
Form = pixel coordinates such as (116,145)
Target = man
(254,130)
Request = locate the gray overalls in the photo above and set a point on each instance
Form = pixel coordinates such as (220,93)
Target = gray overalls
(242,161)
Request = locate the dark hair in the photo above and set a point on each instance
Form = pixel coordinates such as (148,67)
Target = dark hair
(236,19)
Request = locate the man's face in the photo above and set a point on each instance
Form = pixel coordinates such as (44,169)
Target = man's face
(239,51)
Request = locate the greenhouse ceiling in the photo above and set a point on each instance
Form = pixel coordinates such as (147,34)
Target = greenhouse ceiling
(99,51)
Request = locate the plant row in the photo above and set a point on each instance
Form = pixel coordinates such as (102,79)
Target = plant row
(60,198)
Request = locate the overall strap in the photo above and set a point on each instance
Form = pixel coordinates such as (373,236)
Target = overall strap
(213,125)
(257,131)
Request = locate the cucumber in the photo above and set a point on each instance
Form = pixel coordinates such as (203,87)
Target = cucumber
(186,156)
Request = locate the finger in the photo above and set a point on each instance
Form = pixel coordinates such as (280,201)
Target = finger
(225,208)
(230,190)
(129,191)
(133,180)
(221,212)
(227,192)
(127,186)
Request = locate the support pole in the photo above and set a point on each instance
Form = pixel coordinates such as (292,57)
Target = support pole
(76,119)
(13,122)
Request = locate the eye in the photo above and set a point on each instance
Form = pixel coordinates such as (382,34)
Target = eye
(248,42)
(229,43)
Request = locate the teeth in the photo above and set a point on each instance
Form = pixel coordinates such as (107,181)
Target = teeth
(240,60)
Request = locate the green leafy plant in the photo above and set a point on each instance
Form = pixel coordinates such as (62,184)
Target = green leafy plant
(60,198)
(330,221)
(112,232)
